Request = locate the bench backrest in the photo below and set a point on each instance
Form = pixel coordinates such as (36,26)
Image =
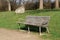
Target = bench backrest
(37,20)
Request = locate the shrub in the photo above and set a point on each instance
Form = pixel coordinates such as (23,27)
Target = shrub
(31,6)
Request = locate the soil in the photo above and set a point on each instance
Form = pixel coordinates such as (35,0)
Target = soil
(6,34)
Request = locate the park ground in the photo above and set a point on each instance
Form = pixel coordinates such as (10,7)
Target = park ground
(8,23)
(6,34)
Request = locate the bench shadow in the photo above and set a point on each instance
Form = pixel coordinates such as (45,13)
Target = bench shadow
(33,28)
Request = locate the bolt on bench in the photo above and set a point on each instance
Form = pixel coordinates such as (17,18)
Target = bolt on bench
(40,21)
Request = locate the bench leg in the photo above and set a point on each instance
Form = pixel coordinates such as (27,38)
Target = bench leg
(40,30)
(19,26)
(28,29)
(47,29)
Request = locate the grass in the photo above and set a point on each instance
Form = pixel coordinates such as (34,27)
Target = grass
(8,20)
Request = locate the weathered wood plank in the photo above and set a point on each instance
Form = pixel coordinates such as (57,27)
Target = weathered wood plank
(37,20)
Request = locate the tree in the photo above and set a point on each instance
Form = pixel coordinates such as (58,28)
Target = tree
(9,5)
(41,4)
(0,4)
(3,5)
(57,4)
(47,4)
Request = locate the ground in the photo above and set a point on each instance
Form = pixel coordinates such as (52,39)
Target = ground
(6,34)
(9,20)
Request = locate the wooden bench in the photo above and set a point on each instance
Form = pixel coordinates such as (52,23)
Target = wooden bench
(40,21)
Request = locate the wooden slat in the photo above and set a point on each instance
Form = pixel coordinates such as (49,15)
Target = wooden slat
(37,20)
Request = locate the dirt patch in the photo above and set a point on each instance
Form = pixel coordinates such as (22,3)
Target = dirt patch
(16,35)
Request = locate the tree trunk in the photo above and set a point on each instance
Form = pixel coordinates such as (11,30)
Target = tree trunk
(49,2)
(41,4)
(57,4)
(9,5)
(0,3)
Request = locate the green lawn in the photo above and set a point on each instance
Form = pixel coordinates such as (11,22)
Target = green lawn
(8,20)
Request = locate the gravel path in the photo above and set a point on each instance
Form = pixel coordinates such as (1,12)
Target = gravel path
(6,34)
